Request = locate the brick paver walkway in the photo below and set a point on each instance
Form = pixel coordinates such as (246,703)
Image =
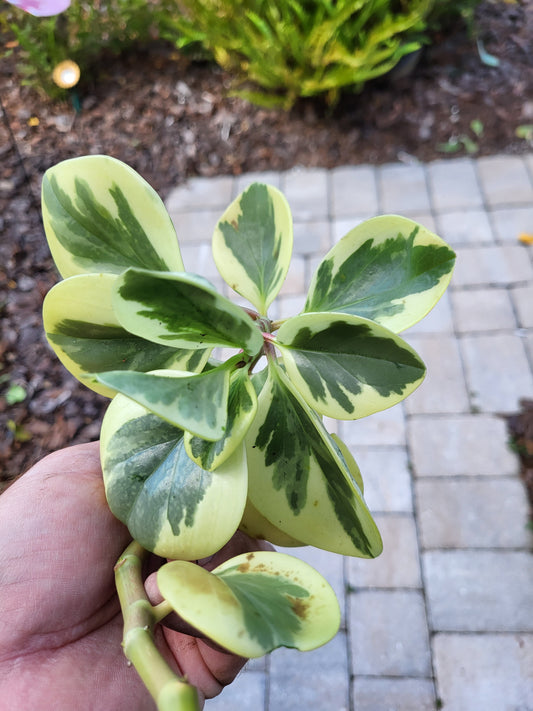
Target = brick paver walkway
(444,618)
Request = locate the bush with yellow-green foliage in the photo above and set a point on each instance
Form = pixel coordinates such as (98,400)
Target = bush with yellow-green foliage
(280,50)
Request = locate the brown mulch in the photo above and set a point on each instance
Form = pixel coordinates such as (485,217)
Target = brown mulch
(170,118)
(520,427)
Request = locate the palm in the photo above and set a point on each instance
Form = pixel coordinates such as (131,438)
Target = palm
(61,627)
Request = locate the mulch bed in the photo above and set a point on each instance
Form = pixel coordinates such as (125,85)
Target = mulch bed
(170,118)
(520,427)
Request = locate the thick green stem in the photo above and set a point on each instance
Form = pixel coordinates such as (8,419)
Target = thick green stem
(169,691)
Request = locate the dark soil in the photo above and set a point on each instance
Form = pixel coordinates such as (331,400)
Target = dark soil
(170,118)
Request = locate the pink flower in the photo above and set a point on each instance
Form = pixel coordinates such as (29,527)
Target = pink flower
(41,8)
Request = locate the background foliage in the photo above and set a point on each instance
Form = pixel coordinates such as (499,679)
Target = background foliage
(276,50)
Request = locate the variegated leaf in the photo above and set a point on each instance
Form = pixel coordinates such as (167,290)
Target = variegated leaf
(99,215)
(345,366)
(298,478)
(88,338)
(350,461)
(256,525)
(169,504)
(254,603)
(252,244)
(195,402)
(182,310)
(242,406)
(388,269)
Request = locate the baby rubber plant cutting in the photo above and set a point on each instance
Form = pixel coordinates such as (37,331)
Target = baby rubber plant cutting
(194,448)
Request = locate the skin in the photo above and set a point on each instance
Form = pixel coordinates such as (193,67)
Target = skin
(60,621)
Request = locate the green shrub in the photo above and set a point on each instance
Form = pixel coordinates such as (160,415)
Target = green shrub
(81,33)
(293,48)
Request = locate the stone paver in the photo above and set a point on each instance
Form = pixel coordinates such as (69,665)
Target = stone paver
(403,189)
(440,478)
(199,194)
(312,236)
(477,591)
(496,265)
(447,518)
(497,371)
(482,310)
(454,185)
(354,192)
(523,299)
(505,180)
(307,193)
(389,634)
(323,675)
(386,476)
(382,428)
(398,566)
(460,445)
(194,226)
(393,694)
(249,688)
(444,388)
(465,227)
(509,224)
(484,672)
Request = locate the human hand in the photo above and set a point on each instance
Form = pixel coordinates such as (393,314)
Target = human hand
(61,624)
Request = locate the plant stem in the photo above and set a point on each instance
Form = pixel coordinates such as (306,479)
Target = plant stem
(169,691)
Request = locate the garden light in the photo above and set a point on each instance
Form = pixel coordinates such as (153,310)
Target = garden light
(66,74)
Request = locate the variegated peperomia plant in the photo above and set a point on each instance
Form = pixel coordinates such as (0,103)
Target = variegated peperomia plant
(193,447)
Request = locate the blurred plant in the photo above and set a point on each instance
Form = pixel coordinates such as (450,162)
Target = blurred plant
(18,432)
(81,34)
(283,49)
(464,141)
(41,8)
(15,394)
(525,131)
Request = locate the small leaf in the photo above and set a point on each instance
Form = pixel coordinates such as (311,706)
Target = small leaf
(388,269)
(195,402)
(471,146)
(87,337)
(170,505)
(182,310)
(477,127)
(252,244)
(255,525)
(15,394)
(524,131)
(20,434)
(298,479)
(99,215)
(345,366)
(242,406)
(452,146)
(254,603)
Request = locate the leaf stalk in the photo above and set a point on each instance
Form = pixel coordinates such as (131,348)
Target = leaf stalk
(169,691)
